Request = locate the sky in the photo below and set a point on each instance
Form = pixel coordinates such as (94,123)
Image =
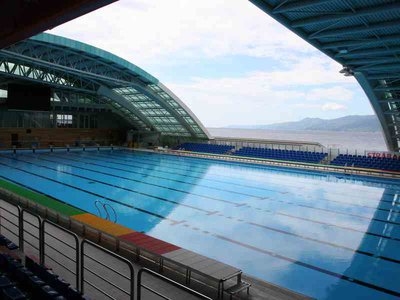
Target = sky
(227,60)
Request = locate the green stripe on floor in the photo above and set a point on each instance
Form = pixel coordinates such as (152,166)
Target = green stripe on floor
(51,203)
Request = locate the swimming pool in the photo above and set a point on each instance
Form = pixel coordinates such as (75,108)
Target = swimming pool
(325,235)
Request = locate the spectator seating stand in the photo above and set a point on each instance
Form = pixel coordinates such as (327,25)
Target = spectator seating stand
(205,148)
(361,161)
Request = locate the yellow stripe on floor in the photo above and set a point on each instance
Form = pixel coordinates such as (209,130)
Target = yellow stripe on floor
(102,224)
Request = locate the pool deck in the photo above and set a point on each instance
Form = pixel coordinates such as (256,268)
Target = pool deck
(259,290)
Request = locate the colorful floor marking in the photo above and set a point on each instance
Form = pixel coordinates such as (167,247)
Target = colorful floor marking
(139,239)
(149,243)
(41,199)
(102,224)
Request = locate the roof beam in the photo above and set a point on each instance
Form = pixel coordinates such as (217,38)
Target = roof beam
(381,88)
(298,5)
(355,42)
(346,15)
(110,94)
(379,67)
(369,52)
(63,69)
(383,76)
(164,104)
(391,112)
(389,100)
(373,60)
(354,30)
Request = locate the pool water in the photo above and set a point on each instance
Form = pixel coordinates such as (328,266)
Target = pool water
(324,235)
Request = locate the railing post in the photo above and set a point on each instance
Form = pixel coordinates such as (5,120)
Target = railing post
(41,242)
(139,285)
(20,230)
(82,271)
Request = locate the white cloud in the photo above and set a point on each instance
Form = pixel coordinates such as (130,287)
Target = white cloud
(329,106)
(148,30)
(173,33)
(337,93)
(333,106)
(265,97)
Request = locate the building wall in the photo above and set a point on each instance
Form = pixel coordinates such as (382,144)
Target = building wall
(34,119)
(59,137)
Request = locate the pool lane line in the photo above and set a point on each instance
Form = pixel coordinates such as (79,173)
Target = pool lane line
(139,181)
(312,267)
(166,172)
(277,169)
(273,254)
(306,265)
(175,202)
(137,164)
(283,214)
(320,209)
(377,182)
(217,175)
(191,193)
(93,194)
(135,161)
(258,225)
(132,159)
(261,177)
(112,185)
(116,157)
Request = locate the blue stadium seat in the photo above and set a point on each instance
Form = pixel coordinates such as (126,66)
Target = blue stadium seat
(13,293)
(280,154)
(205,148)
(32,281)
(359,161)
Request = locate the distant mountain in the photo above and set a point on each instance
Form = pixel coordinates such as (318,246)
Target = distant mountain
(367,123)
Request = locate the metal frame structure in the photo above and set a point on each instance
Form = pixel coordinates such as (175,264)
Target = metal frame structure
(141,285)
(69,65)
(74,248)
(130,278)
(81,256)
(363,36)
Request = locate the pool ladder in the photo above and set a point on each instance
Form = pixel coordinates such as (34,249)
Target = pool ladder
(101,206)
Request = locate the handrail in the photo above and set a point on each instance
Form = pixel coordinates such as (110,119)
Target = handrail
(40,238)
(165,279)
(16,225)
(113,210)
(51,149)
(70,233)
(120,258)
(107,214)
(81,267)
(98,209)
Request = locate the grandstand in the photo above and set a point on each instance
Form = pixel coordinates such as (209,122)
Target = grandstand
(205,148)
(360,161)
(89,208)
(286,155)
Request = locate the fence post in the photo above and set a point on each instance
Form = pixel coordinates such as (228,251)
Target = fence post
(20,230)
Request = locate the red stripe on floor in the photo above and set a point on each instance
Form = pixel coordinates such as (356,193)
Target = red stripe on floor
(149,243)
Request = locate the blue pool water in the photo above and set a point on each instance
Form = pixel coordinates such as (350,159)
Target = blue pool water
(325,235)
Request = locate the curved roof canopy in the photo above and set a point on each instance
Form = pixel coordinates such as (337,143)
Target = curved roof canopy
(70,65)
(362,35)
